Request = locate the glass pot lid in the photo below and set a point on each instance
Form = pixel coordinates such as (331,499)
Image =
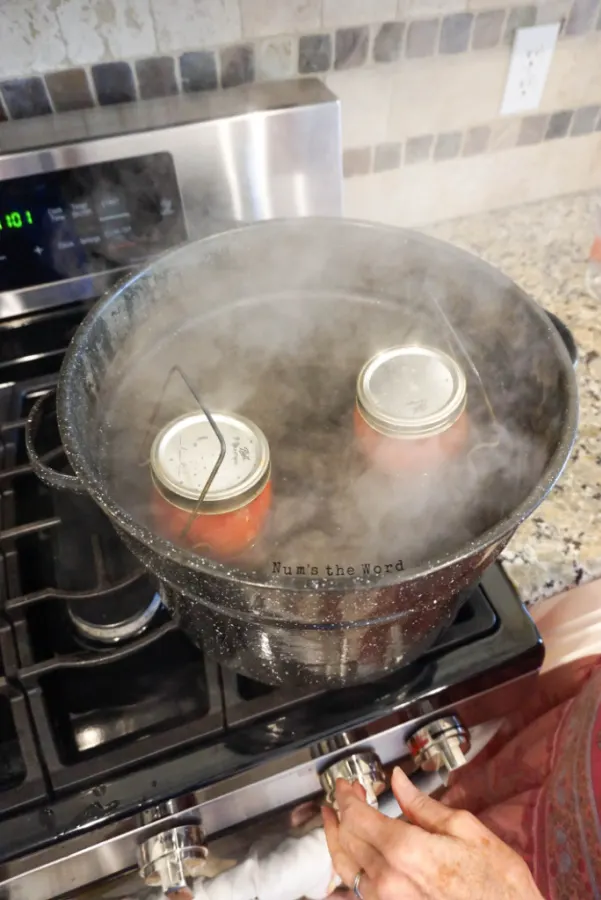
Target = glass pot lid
(286,406)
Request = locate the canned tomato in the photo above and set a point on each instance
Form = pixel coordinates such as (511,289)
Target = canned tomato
(234,510)
(410,408)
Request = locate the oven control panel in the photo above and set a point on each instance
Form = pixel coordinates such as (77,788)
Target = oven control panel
(88,220)
(92,195)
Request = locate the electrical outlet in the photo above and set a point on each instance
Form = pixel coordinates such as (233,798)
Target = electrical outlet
(530,62)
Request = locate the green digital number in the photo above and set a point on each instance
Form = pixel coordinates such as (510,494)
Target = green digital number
(15,219)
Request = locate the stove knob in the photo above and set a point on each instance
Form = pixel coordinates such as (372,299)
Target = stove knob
(440,746)
(168,859)
(364,767)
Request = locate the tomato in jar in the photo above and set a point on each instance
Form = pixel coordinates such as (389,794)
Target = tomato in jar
(410,412)
(236,504)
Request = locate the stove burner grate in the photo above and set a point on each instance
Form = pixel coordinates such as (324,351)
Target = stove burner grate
(79,603)
(110,680)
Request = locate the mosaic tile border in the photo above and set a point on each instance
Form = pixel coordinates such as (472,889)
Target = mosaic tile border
(474,141)
(285,56)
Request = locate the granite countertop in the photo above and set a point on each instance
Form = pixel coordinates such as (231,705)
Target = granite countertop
(544,247)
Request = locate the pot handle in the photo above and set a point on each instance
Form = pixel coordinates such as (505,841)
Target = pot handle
(49,476)
(566,335)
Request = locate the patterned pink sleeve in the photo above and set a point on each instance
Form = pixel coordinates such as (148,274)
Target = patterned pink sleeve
(567,822)
(539,787)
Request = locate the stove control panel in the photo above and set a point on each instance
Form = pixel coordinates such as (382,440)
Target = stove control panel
(440,745)
(87,220)
(169,859)
(364,767)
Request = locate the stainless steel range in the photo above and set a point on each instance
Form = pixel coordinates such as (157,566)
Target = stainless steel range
(122,747)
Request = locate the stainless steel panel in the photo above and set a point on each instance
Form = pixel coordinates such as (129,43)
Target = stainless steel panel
(258,152)
(263,791)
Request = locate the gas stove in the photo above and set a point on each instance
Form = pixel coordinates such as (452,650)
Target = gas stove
(121,743)
(106,708)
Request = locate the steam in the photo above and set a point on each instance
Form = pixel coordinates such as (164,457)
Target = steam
(276,328)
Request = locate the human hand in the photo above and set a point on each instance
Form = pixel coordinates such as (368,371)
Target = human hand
(438,854)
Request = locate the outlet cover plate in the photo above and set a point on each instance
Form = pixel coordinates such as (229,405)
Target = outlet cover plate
(529,67)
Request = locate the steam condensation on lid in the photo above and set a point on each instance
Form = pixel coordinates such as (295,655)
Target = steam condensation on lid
(278,332)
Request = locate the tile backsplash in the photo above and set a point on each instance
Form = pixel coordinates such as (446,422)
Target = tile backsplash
(420,83)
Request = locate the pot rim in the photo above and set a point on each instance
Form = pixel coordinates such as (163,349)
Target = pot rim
(297,584)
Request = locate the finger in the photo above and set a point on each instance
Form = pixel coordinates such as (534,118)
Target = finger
(345,867)
(365,888)
(350,787)
(367,823)
(359,791)
(419,808)
(436,818)
(363,854)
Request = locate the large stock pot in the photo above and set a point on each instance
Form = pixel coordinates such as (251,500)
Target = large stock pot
(274,321)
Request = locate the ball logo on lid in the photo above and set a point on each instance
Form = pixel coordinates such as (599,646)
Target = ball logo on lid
(408,390)
(411,389)
(185,453)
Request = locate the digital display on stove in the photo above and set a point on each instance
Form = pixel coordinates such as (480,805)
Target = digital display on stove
(87,220)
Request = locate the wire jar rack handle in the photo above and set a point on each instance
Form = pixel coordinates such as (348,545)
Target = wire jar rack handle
(144,450)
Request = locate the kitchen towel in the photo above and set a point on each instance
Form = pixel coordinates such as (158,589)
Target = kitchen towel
(298,867)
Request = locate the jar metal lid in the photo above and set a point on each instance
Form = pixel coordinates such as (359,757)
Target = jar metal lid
(411,391)
(185,452)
